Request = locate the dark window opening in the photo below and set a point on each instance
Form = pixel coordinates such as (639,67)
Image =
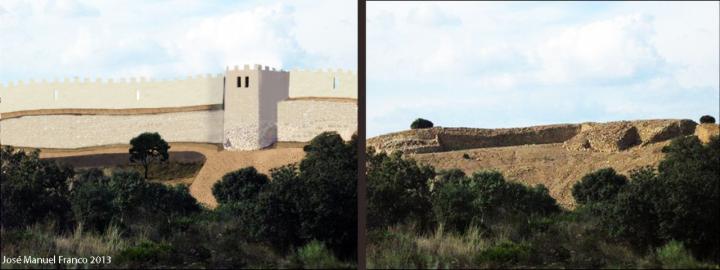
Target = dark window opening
(239,82)
(247,81)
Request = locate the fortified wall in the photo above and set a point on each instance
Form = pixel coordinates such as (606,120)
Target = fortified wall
(245,108)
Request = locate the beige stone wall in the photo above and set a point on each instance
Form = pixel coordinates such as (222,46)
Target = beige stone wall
(319,83)
(76,131)
(117,94)
(302,120)
(273,89)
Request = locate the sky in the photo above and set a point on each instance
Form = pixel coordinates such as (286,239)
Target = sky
(44,39)
(513,64)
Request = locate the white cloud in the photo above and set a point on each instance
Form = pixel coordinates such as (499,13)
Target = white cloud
(606,50)
(525,63)
(51,39)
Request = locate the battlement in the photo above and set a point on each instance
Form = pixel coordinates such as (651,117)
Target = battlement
(335,83)
(111,93)
(102,81)
(255,67)
(328,70)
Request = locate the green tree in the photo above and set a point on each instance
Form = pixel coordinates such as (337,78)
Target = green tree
(329,208)
(707,119)
(240,186)
(398,190)
(678,202)
(598,186)
(92,204)
(148,148)
(33,190)
(485,198)
(421,123)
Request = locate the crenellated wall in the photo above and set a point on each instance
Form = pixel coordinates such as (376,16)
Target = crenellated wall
(112,94)
(323,83)
(242,108)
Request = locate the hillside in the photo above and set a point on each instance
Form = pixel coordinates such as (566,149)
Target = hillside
(556,156)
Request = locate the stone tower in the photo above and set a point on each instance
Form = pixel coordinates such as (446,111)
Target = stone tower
(250,102)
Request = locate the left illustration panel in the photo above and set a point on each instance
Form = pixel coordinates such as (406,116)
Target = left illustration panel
(178,134)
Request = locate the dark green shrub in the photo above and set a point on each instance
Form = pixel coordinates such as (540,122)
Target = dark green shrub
(466,156)
(315,255)
(398,191)
(92,204)
(146,254)
(504,254)
(279,208)
(314,200)
(679,202)
(329,210)
(707,119)
(453,204)
(166,200)
(484,198)
(421,123)
(240,186)
(598,186)
(33,190)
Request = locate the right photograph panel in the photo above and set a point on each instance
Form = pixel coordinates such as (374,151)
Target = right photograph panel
(551,135)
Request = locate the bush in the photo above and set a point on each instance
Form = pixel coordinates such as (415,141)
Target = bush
(92,204)
(314,200)
(398,191)
(421,123)
(707,119)
(466,156)
(33,190)
(240,186)
(277,214)
(673,255)
(679,202)
(315,255)
(329,207)
(146,254)
(504,254)
(485,197)
(598,186)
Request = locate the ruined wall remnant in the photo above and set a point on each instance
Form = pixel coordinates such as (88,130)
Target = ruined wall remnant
(603,137)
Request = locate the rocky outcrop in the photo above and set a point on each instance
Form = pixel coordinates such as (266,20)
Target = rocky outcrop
(608,137)
(621,135)
(653,131)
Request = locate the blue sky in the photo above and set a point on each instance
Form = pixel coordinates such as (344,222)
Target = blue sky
(44,39)
(499,64)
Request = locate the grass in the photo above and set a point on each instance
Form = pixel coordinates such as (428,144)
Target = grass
(563,241)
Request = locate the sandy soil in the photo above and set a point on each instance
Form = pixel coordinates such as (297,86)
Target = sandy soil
(217,163)
(549,164)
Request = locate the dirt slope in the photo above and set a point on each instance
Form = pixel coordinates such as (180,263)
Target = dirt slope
(552,165)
